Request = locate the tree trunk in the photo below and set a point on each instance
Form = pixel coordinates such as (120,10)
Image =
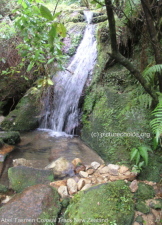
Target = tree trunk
(120,58)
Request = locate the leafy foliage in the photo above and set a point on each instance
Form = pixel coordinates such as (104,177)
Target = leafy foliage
(41,33)
(138,153)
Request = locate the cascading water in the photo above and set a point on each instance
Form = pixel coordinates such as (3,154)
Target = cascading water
(62,113)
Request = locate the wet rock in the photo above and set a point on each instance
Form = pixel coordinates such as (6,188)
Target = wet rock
(95,165)
(71,186)
(21,177)
(32,206)
(63,191)
(27,162)
(4,151)
(134,186)
(61,167)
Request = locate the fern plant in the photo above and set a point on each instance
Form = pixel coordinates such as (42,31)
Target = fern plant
(140,153)
(156,122)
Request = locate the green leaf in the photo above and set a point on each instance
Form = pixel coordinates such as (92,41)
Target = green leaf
(45,12)
(52,34)
(50,82)
(133,153)
(51,60)
(30,66)
(141,164)
(143,152)
(137,158)
(61,29)
(155,143)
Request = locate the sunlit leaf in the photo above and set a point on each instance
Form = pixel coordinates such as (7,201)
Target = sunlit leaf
(61,29)
(45,12)
(49,81)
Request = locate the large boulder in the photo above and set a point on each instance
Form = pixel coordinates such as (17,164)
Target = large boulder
(102,204)
(25,116)
(21,177)
(38,204)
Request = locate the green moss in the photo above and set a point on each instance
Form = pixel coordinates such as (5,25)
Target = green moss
(102,204)
(139,219)
(156,204)
(25,116)
(21,177)
(11,138)
(144,192)
(142,207)
(3,188)
(154,169)
(110,118)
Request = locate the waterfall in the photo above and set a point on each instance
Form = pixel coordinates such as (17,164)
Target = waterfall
(61,106)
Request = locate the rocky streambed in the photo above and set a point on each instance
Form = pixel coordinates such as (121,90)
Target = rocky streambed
(61,181)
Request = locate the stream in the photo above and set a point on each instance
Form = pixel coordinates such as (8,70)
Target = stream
(45,146)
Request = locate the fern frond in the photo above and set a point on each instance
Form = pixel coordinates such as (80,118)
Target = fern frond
(153,69)
(156,123)
(145,100)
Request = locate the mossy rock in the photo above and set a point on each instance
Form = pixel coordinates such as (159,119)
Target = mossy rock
(3,188)
(21,177)
(11,138)
(142,207)
(154,169)
(156,204)
(102,204)
(144,192)
(99,19)
(25,116)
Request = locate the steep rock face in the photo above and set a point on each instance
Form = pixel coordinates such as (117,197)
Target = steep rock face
(38,204)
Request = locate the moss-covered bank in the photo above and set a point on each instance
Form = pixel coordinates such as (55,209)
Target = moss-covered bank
(111,125)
